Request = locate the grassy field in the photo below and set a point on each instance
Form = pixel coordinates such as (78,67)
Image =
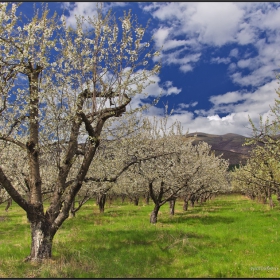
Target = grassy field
(230,236)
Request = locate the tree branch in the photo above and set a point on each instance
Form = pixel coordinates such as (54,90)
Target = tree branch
(6,183)
(12,140)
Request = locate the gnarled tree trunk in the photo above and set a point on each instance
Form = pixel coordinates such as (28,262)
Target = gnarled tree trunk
(41,243)
(9,204)
(278,196)
(101,199)
(136,200)
(123,196)
(111,197)
(172,207)
(271,204)
(192,202)
(72,209)
(185,205)
(147,198)
(154,214)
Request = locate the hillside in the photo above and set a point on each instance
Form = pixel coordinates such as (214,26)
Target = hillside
(230,145)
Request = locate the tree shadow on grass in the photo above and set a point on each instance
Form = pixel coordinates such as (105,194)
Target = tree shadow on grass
(117,242)
(198,219)
(122,250)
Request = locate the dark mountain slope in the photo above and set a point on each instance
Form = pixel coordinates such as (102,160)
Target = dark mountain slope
(230,145)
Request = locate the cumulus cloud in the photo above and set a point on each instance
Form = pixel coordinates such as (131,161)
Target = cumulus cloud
(217,24)
(234,52)
(208,22)
(185,61)
(232,67)
(154,90)
(243,63)
(79,8)
(250,104)
(245,25)
(262,66)
(85,9)
(225,60)
(161,35)
(229,97)
(236,108)
(185,105)
(212,17)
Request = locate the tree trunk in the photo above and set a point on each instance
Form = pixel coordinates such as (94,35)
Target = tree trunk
(172,207)
(8,204)
(186,204)
(123,198)
(101,202)
(192,202)
(153,217)
(136,200)
(278,197)
(41,243)
(271,204)
(72,209)
(147,198)
(204,199)
(110,200)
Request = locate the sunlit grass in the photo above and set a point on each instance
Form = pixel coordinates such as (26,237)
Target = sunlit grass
(230,236)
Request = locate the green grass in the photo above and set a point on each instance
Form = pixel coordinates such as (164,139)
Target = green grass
(230,236)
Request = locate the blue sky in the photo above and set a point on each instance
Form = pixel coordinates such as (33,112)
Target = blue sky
(218,60)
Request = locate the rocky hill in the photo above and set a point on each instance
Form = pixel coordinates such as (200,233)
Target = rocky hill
(230,145)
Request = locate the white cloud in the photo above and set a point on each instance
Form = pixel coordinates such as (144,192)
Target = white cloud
(272,19)
(257,101)
(234,52)
(168,88)
(183,106)
(172,44)
(232,67)
(161,35)
(193,104)
(243,63)
(256,78)
(173,90)
(79,8)
(242,24)
(225,60)
(245,35)
(216,24)
(186,68)
(237,107)
(154,90)
(210,23)
(185,61)
(229,97)
(86,9)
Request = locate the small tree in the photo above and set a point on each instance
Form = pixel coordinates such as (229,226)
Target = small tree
(211,178)
(159,176)
(59,88)
(184,169)
(259,177)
